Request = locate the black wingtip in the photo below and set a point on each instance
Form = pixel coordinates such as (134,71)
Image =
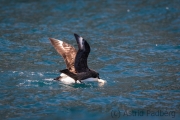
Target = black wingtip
(77,39)
(76,35)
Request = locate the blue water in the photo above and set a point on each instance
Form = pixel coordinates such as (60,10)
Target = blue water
(135,46)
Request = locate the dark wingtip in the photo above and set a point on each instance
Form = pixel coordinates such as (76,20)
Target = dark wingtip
(76,35)
(51,39)
(77,38)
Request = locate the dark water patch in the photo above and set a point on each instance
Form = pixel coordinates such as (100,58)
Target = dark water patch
(134,47)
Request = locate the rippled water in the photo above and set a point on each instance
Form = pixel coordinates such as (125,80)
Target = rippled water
(135,46)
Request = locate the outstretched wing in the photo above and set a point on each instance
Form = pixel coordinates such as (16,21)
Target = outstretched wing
(67,51)
(82,55)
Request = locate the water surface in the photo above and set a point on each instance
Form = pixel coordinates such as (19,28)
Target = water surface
(135,46)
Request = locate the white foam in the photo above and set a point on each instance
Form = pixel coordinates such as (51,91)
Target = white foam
(49,79)
(40,74)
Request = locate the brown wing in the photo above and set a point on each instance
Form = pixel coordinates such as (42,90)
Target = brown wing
(67,51)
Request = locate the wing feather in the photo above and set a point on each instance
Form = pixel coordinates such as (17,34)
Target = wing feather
(67,51)
(82,55)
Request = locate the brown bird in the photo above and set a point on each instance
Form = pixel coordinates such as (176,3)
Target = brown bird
(76,61)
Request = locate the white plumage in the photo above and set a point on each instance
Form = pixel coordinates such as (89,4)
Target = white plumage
(68,80)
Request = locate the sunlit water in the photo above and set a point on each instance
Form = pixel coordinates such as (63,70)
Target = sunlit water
(135,46)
